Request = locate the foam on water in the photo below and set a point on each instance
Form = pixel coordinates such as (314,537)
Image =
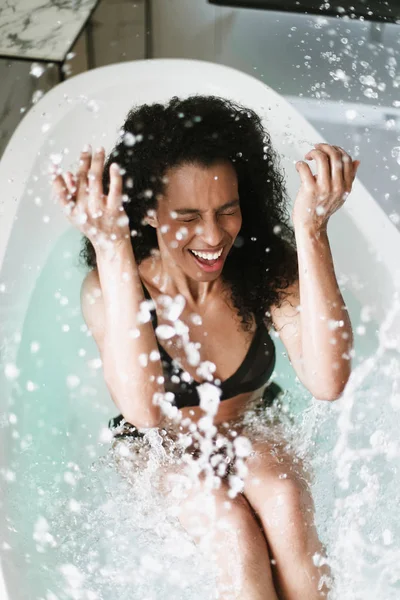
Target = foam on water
(124,538)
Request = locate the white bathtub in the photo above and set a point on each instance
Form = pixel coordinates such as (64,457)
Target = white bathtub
(90,108)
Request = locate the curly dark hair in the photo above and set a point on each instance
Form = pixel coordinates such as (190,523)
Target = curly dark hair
(203,130)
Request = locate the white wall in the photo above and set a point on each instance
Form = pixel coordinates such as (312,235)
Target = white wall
(263,43)
(309,57)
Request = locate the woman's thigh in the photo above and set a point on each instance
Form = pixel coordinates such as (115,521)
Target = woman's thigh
(204,496)
(273,470)
(278,487)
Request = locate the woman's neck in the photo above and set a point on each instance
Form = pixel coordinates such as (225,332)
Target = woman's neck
(167,278)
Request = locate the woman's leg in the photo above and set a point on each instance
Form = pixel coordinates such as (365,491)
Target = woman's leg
(228,530)
(277,489)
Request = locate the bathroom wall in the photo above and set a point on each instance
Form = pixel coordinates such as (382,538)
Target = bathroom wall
(352,66)
(298,54)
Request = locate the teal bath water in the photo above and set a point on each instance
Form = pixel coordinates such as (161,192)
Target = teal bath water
(79,531)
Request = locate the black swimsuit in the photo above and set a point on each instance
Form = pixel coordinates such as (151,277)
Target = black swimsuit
(254,372)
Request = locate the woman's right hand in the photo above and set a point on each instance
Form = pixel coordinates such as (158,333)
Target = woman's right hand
(100,218)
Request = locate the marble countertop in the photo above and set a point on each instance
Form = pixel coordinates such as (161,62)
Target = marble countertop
(41,29)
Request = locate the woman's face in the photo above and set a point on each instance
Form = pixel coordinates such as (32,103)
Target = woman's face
(199,212)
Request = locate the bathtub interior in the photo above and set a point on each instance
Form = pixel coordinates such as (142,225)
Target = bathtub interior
(56,410)
(59,409)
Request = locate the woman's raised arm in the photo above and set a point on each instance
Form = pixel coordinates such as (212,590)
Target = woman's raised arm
(131,360)
(127,342)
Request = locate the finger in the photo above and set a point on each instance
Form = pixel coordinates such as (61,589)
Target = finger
(95,182)
(114,199)
(62,194)
(323,176)
(84,165)
(95,175)
(70,182)
(307,178)
(336,164)
(348,171)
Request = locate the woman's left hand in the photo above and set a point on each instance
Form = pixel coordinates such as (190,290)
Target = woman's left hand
(321,195)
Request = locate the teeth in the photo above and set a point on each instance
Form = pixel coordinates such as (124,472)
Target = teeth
(208,255)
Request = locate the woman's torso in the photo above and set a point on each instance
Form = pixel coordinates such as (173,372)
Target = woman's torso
(224,342)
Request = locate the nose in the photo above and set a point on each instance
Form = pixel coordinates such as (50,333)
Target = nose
(211,232)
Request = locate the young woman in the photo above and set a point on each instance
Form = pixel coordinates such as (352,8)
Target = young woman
(190,211)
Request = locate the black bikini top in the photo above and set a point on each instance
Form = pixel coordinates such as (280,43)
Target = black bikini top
(253,373)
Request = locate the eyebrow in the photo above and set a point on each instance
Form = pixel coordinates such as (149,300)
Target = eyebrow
(185,211)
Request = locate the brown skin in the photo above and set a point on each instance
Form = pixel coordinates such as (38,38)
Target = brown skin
(275,487)
(174,271)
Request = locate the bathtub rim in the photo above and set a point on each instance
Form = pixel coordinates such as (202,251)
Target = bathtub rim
(373,223)
(52,102)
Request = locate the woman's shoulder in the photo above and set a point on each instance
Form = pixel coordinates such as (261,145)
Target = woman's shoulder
(91,280)
(92,307)
(91,296)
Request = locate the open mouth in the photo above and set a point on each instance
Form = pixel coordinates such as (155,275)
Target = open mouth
(211,263)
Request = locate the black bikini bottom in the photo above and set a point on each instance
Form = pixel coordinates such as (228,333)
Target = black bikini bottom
(271,392)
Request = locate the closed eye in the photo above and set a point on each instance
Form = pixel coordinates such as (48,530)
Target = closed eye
(187,220)
(223,214)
